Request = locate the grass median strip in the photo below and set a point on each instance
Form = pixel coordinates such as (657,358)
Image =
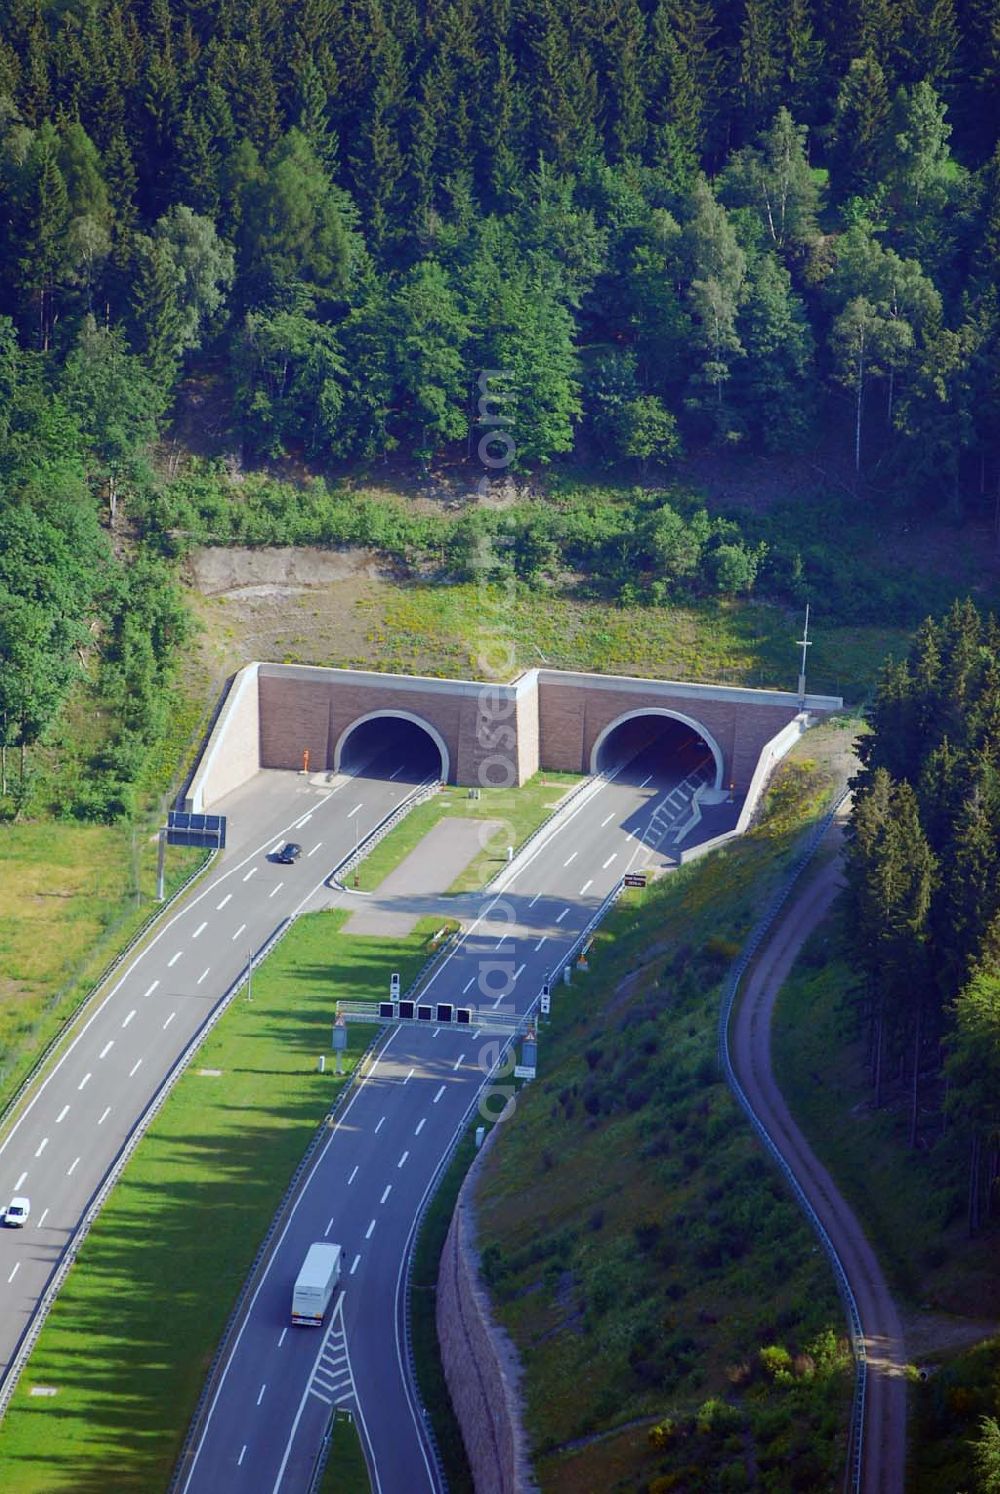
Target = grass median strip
(521,810)
(130,1338)
(345,1471)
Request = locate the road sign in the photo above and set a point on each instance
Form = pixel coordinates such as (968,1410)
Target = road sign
(635,879)
(444,1011)
(425,1014)
(406,1011)
(185,829)
(394,984)
(463,1016)
(386,1011)
(545,1005)
(524,1071)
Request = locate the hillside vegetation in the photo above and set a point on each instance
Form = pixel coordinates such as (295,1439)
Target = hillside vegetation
(678,1327)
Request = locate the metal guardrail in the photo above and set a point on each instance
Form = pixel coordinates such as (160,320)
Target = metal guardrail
(763,927)
(262,1257)
(592,781)
(20,1094)
(364,847)
(522,1021)
(30,1337)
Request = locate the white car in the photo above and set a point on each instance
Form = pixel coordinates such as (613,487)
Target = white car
(16,1212)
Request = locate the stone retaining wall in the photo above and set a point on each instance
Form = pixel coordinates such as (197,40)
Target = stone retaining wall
(480,1362)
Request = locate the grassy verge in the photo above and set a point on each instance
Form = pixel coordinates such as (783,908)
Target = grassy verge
(430,1371)
(520,812)
(678,1328)
(71,896)
(345,1471)
(420,628)
(129,1340)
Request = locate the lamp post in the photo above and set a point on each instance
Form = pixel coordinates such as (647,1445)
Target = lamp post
(805,642)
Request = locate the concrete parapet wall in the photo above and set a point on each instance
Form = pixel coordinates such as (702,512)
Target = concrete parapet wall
(480,1361)
(232,752)
(488,734)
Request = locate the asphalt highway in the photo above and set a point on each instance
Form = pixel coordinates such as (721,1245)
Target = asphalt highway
(61,1147)
(267,1417)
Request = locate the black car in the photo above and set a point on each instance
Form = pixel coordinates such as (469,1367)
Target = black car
(289,852)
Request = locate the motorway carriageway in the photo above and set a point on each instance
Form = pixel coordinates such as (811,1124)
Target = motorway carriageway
(267,1417)
(60,1148)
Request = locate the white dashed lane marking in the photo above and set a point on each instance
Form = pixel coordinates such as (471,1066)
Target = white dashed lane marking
(353,1175)
(62,1114)
(203,975)
(562,915)
(151,989)
(541,942)
(468,985)
(612,857)
(129,1017)
(169,1020)
(380,1125)
(607,821)
(260,1395)
(356,1263)
(570,858)
(458,1061)
(227,899)
(17,1267)
(42,1145)
(135,1068)
(243,1453)
(438,1095)
(251,873)
(72,1167)
(20,1182)
(420,1126)
(83,1081)
(106,1049)
(402,1159)
(104,1116)
(241,930)
(314,849)
(385,1195)
(586,884)
(199,930)
(370,1230)
(174,958)
(275,889)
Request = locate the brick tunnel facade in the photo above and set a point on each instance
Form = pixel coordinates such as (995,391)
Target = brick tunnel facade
(295,716)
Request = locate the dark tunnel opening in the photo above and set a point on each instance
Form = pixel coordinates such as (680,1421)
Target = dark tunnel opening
(653,745)
(392,747)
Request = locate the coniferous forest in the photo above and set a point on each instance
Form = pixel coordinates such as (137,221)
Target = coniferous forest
(669,222)
(924,891)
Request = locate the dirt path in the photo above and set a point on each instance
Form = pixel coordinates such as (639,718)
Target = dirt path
(884,1443)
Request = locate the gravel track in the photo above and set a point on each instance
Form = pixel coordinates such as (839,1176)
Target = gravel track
(884,1446)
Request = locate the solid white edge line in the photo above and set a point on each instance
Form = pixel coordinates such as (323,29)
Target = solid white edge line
(196,1452)
(182,912)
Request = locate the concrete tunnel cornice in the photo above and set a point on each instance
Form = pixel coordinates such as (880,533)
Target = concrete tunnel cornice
(296,716)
